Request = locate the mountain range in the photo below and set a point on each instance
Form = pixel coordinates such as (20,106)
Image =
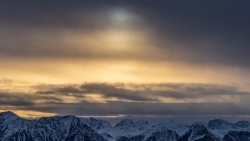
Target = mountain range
(72,128)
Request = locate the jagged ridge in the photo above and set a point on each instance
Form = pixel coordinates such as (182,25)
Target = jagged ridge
(71,128)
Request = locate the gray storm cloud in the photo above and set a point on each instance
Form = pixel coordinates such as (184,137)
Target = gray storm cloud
(210,33)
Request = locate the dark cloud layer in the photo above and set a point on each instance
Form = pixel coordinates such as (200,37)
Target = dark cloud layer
(143,101)
(207,32)
(210,32)
(146,93)
(23,99)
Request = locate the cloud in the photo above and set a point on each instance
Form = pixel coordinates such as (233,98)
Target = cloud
(131,100)
(160,41)
(14,99)
(150,92)
(154,112)
(6,81)
(201,32)
(143,109)
(197,33)
(24,99)
(133,93)
(104,89)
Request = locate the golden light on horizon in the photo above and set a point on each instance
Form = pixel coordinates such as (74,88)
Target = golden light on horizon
(29,114)
(114,71)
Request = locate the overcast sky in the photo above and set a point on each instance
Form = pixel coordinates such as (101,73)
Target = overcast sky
(154,60)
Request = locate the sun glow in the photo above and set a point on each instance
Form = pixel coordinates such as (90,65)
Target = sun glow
(121,16)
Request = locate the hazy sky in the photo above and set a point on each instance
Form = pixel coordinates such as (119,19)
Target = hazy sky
(153,60)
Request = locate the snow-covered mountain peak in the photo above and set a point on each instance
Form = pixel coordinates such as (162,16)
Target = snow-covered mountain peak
(67,128)
(172,123)
(97,124)
(218,124)
(197,127)
(198,132)
(242,124)
(125,122)
(99,121)
(141,123)
(8,116)
(69,116)
(54,118)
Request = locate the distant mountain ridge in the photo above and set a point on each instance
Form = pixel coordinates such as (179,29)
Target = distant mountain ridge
(71,128)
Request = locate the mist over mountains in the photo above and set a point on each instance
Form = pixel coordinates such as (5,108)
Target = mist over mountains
(72,128)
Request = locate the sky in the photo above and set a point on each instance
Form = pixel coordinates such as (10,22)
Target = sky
(155,60)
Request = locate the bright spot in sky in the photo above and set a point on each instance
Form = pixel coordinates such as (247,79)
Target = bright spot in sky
(121,15)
